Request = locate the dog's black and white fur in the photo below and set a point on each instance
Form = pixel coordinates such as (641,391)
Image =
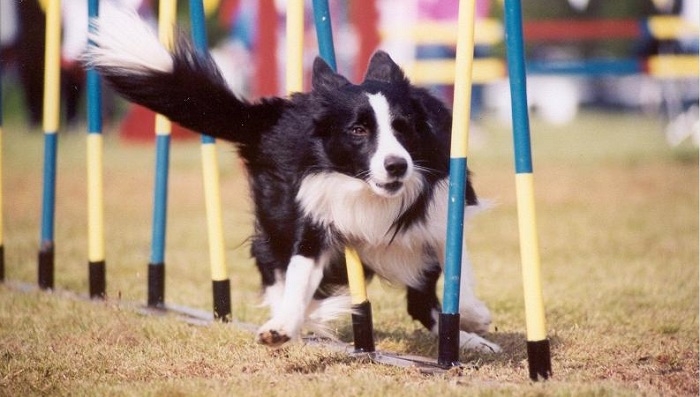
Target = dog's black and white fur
(363,166)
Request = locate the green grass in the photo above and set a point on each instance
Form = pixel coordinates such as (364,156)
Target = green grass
(618,226)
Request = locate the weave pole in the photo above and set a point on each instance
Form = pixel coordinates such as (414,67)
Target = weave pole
(538,352)
(50,125)
(221,285)
(2,244)
(448,349)
(362,327)
(95,197)
(156,266)
(294,72)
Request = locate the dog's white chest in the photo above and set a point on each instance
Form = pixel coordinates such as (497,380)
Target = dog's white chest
(347,205)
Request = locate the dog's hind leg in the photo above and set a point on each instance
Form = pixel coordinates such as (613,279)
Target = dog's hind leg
(301,281)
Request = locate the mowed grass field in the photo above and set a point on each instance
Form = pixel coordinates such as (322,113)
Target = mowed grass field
(618,225)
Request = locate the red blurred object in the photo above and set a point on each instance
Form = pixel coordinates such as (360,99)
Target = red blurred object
(139,126)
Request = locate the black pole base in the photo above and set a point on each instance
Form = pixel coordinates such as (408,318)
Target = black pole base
(46,265)
(156,285)
(448,340)
(2,263)
(98,279)
(362,327)
(539,360)
(222,299)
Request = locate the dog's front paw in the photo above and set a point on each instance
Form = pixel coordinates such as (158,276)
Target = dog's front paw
(470,341)
(475,317)
(276,332)
(272,338)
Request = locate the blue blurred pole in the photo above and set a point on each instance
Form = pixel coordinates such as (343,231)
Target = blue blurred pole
(362,327)
(2,244)
(96,254)
(448,351)
(324,32)
(167,10)
(221,285)
(539,360)
(50,124)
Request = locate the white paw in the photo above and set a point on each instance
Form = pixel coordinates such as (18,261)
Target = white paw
(470,341)
(275,332)
(474,317)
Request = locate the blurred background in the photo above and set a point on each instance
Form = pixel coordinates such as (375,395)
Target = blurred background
(627,56)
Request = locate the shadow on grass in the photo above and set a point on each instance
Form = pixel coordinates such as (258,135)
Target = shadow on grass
(422,343)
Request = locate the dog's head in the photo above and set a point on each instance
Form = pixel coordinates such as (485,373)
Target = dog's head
(383,131)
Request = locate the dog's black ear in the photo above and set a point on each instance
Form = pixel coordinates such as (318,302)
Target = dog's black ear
(324,78)
(383,68)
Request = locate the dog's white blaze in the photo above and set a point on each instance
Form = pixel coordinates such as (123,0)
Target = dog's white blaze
(387,144)
(124,41)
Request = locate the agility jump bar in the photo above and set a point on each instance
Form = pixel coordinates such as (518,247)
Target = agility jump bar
(487,70)
(538,351)
(221,284)
(95,195)
(490,31)
(50,125)
(167,10)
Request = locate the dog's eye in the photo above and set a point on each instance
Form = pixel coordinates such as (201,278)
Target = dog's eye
(359,131)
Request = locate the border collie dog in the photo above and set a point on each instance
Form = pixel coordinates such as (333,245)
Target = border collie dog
(363,166)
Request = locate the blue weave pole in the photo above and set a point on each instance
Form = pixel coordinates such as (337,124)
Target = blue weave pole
(539,360)
(448,349)
(52,80)
(96,255)
(156,265)
(362,327)
(2,244)
(221,285)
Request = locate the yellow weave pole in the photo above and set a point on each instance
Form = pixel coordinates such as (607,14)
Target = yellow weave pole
(2,244)
(221,285)
(95,168)
(52,82)
(156,266)
(167,10)
(295,46)
(448,349)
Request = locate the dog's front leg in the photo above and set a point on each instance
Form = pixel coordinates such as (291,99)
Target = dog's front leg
(475,317)
(301,281)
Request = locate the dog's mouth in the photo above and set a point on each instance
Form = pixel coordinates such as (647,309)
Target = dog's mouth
(389,189)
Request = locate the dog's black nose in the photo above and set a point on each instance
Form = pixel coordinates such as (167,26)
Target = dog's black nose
(395,166)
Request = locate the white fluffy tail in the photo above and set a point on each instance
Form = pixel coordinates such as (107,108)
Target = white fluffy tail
(321,313)
(123,41)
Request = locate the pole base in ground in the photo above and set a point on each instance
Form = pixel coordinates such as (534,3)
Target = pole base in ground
(362,327)
(448,343)
(2,263)
(222,299)
(46,265)
(539,360)
(156,285)
(98,279)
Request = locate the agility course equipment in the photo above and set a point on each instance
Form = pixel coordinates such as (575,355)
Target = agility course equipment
(96,240)
(2,243)
(490,32)
(448,353)
(539,360)
(538,345)
(362,327)
(221,285)
(50,126)
(163,127)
